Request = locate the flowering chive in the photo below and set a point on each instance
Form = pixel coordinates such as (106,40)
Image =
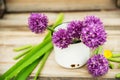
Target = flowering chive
(98,65)
(74,29)
(61,38)
(93,33)
(37,22)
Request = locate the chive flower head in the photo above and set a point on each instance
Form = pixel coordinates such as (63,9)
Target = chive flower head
(61,38)
(93,34)
(74,29)
(98,65)
(37,22)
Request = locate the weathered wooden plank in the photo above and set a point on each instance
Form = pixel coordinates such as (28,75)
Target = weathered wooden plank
(69,78)
(110,18)
(58,5)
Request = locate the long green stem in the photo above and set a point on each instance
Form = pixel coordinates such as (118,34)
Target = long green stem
(50,29)
(114,60)
(96,51)
(22,54)
(111,65)
(27,56)
(100,49)
(42,63)
(27,71)
(117,75)
(31,60)
(22,48)
(58,21)
(116,55)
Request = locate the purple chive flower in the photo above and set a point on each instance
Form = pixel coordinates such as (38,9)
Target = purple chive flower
(93,34)
(37,22)
(74,29)
(97,65)
(61,38)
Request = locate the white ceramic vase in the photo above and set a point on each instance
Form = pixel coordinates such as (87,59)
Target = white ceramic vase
(74,56)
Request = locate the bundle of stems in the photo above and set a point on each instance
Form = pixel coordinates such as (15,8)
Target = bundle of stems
(39,53)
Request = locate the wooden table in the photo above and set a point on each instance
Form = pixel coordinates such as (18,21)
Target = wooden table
(14,33)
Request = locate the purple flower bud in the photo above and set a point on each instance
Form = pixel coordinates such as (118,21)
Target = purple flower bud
(97,65)
(74,28)
(37,22)
(61,38)
(93,34)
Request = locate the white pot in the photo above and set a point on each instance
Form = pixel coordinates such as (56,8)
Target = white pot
(74,56)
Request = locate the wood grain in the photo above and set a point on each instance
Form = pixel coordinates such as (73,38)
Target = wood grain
(110,19)
(58,5)
(14,34)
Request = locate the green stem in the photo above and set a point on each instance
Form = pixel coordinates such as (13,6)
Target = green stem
(31,60)
(50,29)
(96,51)
(114,60)
(116,55)
(100,49)
(117,75)
(27,56)
(111,66)
(58,21)
(22,48)
(22,54)
(27,71)
(42,63)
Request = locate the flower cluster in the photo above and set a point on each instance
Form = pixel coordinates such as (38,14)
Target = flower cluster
(93,34)
(74,29)
(61,38)
(98,65)
(37,22)
(90,31)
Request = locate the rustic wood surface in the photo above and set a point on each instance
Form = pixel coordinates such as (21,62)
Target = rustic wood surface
(58,5)
(14,33)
